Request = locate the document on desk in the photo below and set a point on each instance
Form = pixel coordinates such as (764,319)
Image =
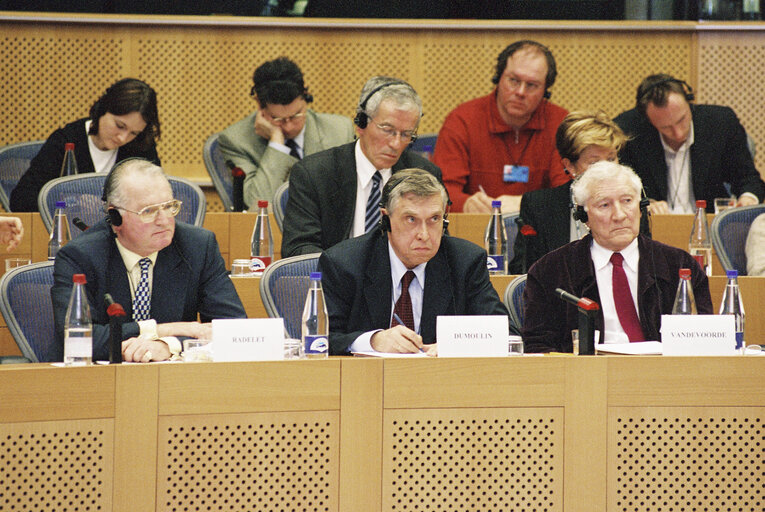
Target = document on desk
(644,348)
(388,354)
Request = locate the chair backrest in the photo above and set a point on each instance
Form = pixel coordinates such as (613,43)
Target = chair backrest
(82,194)
(729,230)
(284,287)
(425,144)
(26,306)
(279,205)
(511,229)
(14,161)
(514,300)
(219,172)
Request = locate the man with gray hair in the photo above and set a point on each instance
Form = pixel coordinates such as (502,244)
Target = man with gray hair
(165,274)
(631,277)
(335,194)
(385,289)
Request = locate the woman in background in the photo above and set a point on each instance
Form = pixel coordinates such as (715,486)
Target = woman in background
(123,123)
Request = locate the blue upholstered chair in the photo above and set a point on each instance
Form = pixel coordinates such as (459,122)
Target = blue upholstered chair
(26,305)
(284,287)
(514,300)
(729,230)
(14,161)
(219,172)
(279,205)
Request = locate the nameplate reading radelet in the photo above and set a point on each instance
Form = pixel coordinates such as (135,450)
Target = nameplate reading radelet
(472,336)
(248,339)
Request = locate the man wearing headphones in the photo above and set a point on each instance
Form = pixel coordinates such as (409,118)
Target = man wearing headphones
(500,146)
(385,289)
(164,274)
(267,143)
(631,277)
(684,152)
(335,194)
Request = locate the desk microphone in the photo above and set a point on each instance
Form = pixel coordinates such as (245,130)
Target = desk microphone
(80,224)
(117,317)
(587,310)
(237,174)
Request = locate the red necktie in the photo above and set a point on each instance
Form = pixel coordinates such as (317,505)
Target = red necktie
(403,306)
(625,307)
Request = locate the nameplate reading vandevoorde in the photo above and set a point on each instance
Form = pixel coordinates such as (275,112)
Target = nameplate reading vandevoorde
(248,339)
(698,335)
(472,336)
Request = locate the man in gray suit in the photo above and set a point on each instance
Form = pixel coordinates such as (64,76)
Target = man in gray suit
(267,143)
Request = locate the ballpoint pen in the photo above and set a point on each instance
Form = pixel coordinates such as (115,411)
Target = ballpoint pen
(398,319)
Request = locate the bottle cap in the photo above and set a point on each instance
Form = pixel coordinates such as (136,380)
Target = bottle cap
(315,275)
(685,273)
(496,204)
(262,204)
(79,279)
(732,274)
(60,204)
(68,146)
(700,203)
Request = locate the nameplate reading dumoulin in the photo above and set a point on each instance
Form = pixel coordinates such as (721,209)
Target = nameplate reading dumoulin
(248,339)
(698,335)
(472,336)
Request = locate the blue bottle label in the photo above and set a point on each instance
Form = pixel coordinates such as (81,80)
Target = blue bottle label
(495,263)
(315,344)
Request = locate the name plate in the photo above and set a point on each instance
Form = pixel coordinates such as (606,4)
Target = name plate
(698,335)
(472,336)
(248,339)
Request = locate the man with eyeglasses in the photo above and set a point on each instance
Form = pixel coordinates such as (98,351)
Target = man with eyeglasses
(335,194)
(165,274)
(498,147)
(267,143)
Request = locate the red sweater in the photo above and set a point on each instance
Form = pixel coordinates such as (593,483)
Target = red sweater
(475,144)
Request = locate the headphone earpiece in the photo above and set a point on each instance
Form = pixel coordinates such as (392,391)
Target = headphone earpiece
(384,223)
(113,216)
(580,213)
(362,119)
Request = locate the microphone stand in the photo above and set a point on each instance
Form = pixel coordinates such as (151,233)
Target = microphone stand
(587,311)
(117,317)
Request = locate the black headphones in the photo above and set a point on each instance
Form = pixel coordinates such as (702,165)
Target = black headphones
(362,119)
(392,183)
(580,214)
(687,89)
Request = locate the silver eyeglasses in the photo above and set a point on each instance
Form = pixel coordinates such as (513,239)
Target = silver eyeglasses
(149,213)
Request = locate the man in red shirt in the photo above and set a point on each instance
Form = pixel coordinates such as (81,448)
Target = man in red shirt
(499,146)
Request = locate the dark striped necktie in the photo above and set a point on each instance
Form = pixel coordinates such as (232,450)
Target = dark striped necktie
(373,203)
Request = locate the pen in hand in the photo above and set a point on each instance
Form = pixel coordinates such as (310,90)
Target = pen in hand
(398,319)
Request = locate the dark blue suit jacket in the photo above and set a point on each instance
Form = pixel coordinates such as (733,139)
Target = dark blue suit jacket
(190,279)
(358,289)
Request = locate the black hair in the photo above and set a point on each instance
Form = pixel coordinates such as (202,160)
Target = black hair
(278,82)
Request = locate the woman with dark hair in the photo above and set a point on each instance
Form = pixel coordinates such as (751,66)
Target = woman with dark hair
(123,123)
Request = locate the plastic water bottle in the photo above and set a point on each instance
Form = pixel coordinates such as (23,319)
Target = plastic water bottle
(496,241)
(315,321)
(69,165)
(699,245)
(685,303)
(78,328)
(59,235)
(733,305)
(262,244)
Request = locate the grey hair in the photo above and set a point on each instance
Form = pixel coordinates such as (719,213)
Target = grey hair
(419,182)
(403,94)
(122,171)
(599,171)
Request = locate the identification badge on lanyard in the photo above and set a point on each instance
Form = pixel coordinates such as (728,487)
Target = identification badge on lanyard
(515,174)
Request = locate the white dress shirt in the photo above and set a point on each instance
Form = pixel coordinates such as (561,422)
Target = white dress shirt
(364,172)
(601,259)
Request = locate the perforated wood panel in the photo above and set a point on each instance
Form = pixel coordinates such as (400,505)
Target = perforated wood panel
(473,459)
(62,465)
(703,459)
(249,462)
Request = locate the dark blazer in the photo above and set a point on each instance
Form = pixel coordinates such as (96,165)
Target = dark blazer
(190,279)
(548,320)
(719,155)
(47,164)
(322,198)
(548,211)
(357,285)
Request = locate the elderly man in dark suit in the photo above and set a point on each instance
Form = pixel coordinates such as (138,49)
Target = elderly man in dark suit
(684,152)
(334,194)
(631,277)
(405,270)
(165,274)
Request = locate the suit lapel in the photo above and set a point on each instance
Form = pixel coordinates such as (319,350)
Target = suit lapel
(171,277)
(378,291)
(343,190)
(119,285)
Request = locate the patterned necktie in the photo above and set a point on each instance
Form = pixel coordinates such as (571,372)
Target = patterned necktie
(403,306)
(142,301)
(293,148)
(373,203)
(625,307)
